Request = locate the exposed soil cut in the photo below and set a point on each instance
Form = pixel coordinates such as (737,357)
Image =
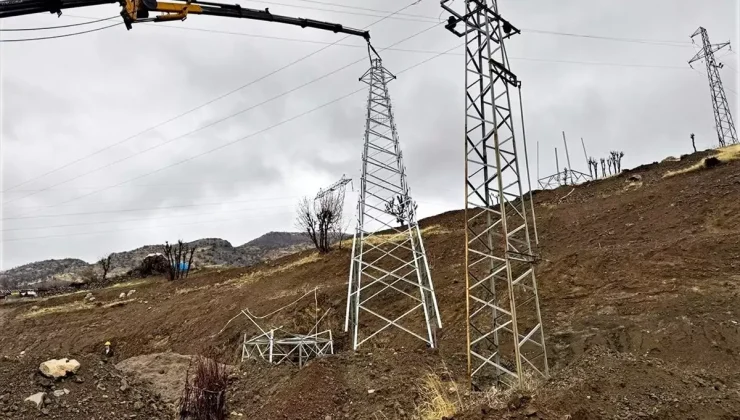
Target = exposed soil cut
(640,295)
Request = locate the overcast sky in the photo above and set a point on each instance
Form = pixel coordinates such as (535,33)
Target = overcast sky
(66,98)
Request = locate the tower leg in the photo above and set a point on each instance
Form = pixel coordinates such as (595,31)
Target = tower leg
(390,285)
(505,335)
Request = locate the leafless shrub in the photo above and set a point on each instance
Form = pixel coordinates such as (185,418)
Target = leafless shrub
(105,264)
(593,168)
(87,276)
(177,267)
(321,219)
(615,157)
(399,206)
(603,167)
(204,395)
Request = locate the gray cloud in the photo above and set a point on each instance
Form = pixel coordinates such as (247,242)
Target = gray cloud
(66,98)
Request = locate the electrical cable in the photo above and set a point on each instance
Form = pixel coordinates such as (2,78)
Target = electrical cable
(233,142)
(43,28)
(179,206)
(241,219)
(203,127)
(145,219)
(426,20)
(61,36)
(220,202)
(610,38)
(198,107)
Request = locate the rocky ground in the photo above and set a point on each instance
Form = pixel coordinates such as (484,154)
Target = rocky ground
(209,252)
(639,287)
(97,391)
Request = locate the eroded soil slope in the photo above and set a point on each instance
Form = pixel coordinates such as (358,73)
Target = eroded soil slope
(639,287)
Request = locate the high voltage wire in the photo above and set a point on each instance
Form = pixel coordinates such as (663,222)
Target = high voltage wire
(425,20)
(280,69)
(144,219)
(138,209)
(233,142)
(61,36)
(202,127)
(200,106)
(129,229)
(43,28)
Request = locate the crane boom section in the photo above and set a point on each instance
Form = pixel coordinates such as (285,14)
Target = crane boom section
(138,11)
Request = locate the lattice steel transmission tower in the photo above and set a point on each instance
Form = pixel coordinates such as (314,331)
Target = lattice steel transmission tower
(505,333)
(726,133)
(389,282)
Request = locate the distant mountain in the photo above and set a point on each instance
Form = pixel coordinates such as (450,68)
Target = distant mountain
(29,274)
(209,252)
(275,245)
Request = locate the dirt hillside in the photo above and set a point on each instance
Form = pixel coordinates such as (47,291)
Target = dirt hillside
(639,287)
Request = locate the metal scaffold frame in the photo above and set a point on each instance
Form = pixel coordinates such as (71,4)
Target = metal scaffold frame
(390,284)
(284,347)
(505,332)
(726,133)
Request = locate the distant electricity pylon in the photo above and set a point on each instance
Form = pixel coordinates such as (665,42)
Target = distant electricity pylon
(389,282)
(505,333)
(340,186)
(722,117)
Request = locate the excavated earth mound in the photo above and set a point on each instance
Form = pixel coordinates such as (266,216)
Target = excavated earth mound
(639,287)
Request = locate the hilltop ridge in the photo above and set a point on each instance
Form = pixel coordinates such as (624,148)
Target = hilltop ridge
(210,252)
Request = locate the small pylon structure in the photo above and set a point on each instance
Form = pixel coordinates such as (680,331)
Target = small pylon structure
(389,282)
(506,341)
(726,133)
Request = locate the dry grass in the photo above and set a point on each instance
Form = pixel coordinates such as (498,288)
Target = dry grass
(268,272)
(59,309)
(724,155)
(127,284)
(71,307)
(498,398)
(401,236)
(436,401)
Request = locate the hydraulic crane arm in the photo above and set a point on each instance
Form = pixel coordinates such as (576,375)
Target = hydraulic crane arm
(138,11)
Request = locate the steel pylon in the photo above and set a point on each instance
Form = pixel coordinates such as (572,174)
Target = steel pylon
(389,282)
(506,341)
(726,133)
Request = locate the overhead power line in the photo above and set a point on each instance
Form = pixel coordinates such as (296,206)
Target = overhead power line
(143,219)
(175,206)
(61,36)
(43,28)
(408,19)
(326,104)
(65,235)
(204,127)
(199,106)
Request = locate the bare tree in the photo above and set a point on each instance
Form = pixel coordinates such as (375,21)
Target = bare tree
(399,207)
(593,168)
(204,394)
(615,158)
(603,167)
(693,144)
(321,219)
(177,268)
(105,264)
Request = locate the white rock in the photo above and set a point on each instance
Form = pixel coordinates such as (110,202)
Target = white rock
(371,391)
(122,295)
(37,399)
(60,392)
(57,368)
(130,292)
